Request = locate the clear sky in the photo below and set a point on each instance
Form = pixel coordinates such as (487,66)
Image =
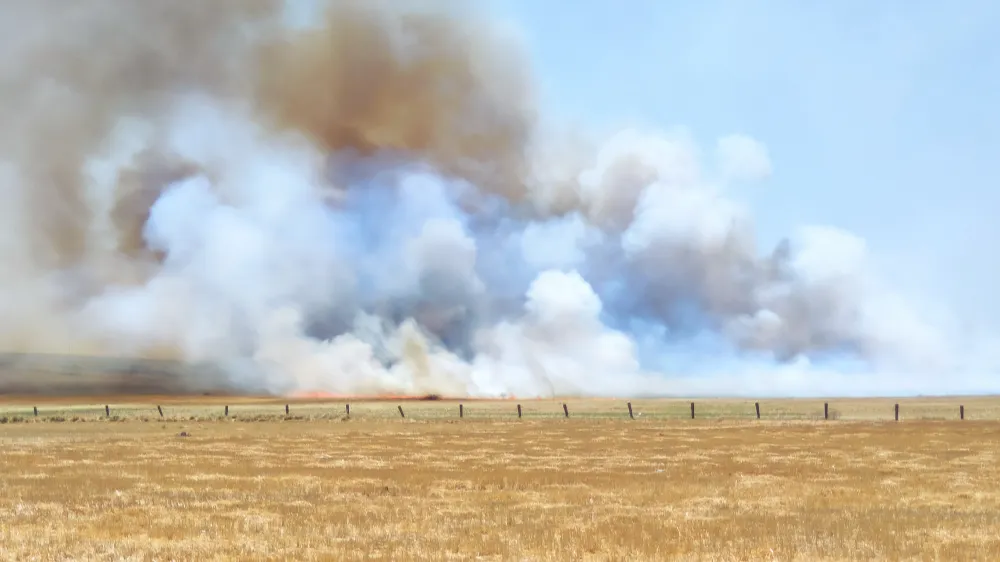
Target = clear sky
(881,117)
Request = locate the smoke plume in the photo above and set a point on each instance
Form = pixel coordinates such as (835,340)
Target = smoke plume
(368,205)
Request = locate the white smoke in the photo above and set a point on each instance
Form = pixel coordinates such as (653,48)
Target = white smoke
(365,259)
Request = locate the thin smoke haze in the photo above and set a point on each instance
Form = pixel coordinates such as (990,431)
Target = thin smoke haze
(370,205)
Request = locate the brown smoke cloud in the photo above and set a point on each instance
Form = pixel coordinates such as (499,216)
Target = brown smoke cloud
(371,76)
(70,70)
(424,82)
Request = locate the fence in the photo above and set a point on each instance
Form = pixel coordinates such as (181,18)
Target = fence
(781,410)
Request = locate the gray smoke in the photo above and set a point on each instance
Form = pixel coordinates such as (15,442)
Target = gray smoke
(368,205)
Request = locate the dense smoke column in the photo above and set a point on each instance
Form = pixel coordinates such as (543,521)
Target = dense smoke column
(368,205)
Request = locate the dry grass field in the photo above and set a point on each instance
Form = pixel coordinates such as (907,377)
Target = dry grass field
(317,485)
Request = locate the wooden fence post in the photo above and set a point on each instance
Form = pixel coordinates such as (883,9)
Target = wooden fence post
(897,412)
(107,411)
(227,410)
(566,409)
(348,409)
(756,406)
(961,412)
(518,411)
(36,411)
(401,414)
(630,411)
(461,410)
(286,409)
(159,409)
(692,410)
(826,410)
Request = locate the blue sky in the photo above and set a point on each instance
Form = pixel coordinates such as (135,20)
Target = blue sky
(881,117)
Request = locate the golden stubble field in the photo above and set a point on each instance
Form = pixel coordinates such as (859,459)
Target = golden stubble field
(316,485)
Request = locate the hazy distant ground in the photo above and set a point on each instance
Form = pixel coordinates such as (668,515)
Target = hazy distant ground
(88,383)
(317,484)
(62,375)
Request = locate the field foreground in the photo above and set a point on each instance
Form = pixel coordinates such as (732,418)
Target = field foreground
(596,486)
